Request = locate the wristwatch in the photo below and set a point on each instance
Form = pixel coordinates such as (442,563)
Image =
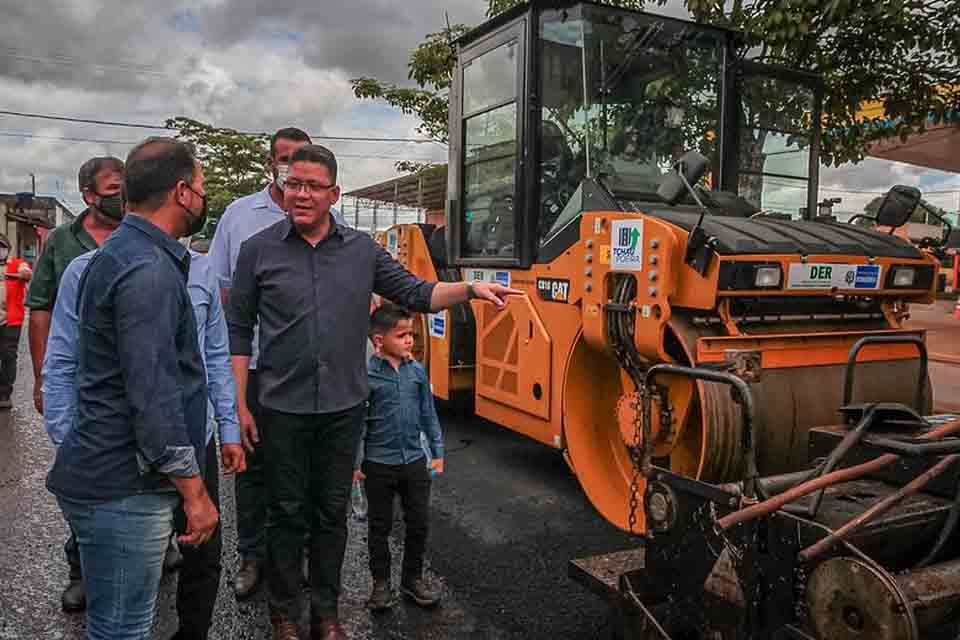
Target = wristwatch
(471,292)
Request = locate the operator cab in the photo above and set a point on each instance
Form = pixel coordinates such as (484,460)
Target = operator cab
(563,107)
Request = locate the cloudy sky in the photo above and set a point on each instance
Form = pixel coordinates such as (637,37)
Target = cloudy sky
(247,64)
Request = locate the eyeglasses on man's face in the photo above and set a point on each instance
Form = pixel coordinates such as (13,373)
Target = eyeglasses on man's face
(295,186)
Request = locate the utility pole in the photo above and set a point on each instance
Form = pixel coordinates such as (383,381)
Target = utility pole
(33,184)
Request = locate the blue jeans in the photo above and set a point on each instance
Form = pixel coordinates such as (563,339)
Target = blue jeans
(122,545)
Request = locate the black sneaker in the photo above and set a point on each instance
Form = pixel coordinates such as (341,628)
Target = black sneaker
(381,598)
(74,598)
(421,593)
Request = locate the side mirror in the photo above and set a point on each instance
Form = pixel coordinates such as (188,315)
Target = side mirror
(898,206)
(689,169)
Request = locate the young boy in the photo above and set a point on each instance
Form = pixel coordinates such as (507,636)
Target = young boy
(393,461)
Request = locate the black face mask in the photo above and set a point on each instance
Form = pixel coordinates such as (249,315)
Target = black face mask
(111,206)
(197,222)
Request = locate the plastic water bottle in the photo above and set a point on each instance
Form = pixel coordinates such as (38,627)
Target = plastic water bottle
(426,451)
(358,500)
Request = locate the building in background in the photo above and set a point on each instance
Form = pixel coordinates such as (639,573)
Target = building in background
(26,219)
(413,198)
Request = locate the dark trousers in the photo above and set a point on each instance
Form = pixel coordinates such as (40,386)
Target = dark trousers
(252,489)
(9,346)
(412,483)
(309,469)
(200,573)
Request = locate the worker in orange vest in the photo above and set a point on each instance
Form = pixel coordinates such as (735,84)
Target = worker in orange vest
(17,274)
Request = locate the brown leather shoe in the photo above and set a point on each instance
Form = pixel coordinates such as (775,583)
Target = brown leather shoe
(283,629)
(327,629)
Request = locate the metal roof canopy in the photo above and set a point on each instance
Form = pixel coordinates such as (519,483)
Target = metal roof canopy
(425,190)
(937,148)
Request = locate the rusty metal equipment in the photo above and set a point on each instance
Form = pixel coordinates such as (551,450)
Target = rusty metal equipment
(862,545)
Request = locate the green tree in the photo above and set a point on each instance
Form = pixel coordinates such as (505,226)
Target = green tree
(904,54)
(431,68)
(234,163)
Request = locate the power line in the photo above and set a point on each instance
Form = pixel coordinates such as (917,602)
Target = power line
(109,123)
(130,143)
(135,125)
(67,60)
(11,134)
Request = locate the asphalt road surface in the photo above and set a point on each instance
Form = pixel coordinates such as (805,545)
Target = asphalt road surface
(507,517)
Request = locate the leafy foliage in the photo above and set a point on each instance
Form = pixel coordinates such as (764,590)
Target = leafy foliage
(234,163)
(431,68)
(904,54)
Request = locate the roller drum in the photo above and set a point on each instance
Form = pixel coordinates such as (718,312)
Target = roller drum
(850,599)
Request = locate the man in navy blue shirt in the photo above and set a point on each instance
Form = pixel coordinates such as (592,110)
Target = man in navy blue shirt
(140,432)
(306,283)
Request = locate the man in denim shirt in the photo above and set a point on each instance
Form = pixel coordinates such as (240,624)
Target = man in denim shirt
(200,577)
(140,432)
(400,408)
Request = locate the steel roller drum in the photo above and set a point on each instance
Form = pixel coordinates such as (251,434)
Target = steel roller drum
(788,403)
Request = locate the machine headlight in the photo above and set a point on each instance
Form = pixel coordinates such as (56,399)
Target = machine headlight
(904,276)
(767,277)
(749,276)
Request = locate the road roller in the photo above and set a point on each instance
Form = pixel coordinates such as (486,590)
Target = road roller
(652,192)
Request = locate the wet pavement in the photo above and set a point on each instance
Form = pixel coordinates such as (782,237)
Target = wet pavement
(507,517)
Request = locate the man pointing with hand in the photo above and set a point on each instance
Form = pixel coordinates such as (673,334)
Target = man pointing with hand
(309,280)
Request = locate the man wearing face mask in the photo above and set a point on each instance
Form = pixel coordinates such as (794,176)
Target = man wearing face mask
(140,435)
(244,218)
(100,181)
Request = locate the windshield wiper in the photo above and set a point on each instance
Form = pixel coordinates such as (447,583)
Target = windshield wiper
(640,42)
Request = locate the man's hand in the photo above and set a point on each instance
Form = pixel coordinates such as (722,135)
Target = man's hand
(358,475)
(248,428)
(202,519)
(233,458)
(492,292)
(38,394)
(437,465)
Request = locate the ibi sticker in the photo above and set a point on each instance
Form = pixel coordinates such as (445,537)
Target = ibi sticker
(626,245)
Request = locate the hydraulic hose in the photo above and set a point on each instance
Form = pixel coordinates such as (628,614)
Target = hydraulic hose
(949,527)
(850,473)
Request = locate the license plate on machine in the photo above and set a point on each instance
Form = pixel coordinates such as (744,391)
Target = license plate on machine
(829,276)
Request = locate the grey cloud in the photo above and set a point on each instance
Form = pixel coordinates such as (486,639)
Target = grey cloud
(362,37)
(95,45)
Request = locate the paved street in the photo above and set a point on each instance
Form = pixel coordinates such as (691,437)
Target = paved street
(507,518)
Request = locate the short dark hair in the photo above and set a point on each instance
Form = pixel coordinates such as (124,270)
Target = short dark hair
(87,176)
(288,133)
(154,167)
(386,317)
(319,154)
